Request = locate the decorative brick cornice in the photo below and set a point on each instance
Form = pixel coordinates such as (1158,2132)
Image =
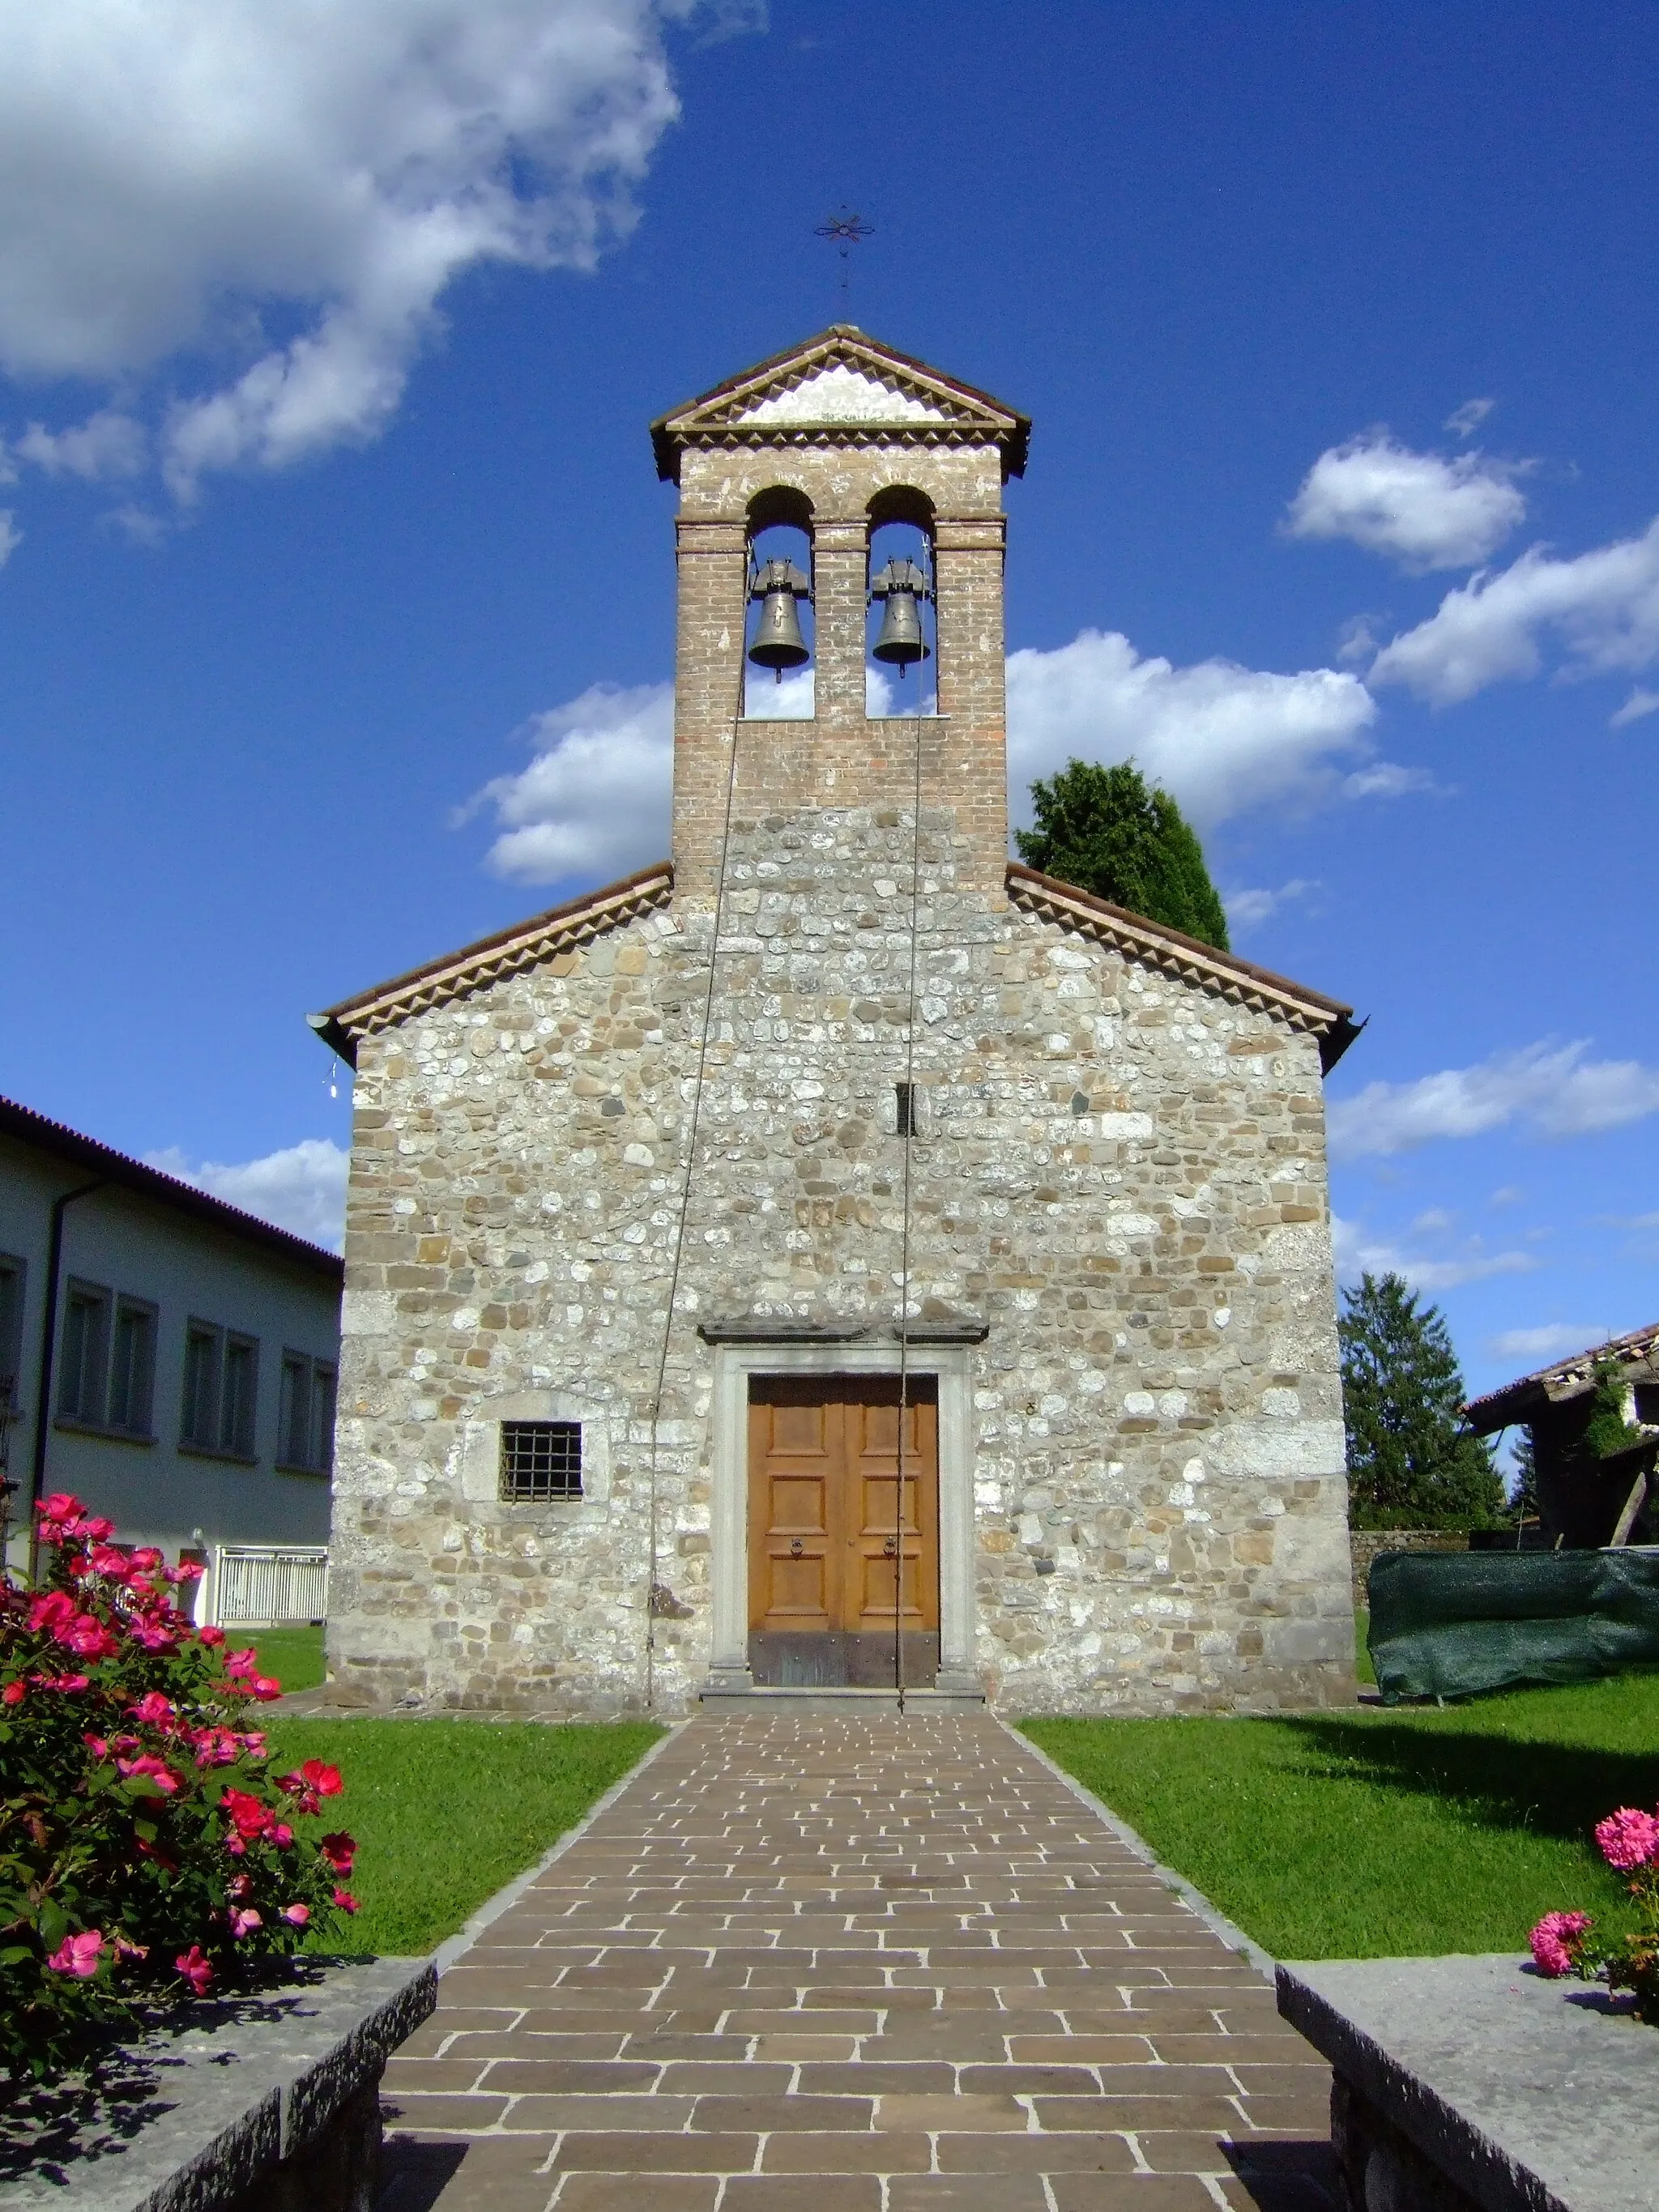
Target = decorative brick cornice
(475,966)
(754,409)
(1173,953)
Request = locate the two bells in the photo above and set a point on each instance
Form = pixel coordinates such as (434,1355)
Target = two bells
(778,644)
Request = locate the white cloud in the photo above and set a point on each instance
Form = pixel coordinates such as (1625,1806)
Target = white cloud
(171,175)
(1247,909)
(1389,779)
(107,444)
(594,800)
(1359,1253)
(10,535)
(1640,702)
(1552,1089)
(302,1188)
(1603,606)
(1424,511)
(1220,738)
(1466,419)
(1553,1341)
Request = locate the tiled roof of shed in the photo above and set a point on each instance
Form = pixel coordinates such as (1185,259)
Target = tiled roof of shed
(1567,1378)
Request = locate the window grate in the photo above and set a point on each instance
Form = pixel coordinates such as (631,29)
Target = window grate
(541,1460)
(905,1095)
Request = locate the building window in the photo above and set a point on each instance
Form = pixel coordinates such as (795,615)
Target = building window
(11,1334)
(239,1397)
(198,1421)
(541,1460)
(906,1096)
(85,1354)
(306,1441)
(132,1368)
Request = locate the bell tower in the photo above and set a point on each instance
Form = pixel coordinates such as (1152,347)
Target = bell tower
(835,440)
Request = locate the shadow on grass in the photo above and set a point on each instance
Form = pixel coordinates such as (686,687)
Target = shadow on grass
(1552,1788)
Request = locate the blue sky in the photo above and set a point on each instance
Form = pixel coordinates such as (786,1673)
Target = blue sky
(340,596)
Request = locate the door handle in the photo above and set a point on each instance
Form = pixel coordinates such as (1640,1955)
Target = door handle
(796,1548)
(889,1548)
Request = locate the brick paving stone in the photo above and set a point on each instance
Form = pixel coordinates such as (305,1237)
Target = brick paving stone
(826,1963)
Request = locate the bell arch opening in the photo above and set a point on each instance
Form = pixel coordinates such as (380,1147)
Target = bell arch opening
(779,635)
(901,637)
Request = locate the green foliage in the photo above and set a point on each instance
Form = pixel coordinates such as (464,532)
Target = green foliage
(1607,1432)
(1378,1833)
(1523,1499)
(444,1811)
(1104,831)
(1410,1463)
(147,1850)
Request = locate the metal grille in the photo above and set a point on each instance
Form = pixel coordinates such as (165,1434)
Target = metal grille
(268,1584)
(541,1460)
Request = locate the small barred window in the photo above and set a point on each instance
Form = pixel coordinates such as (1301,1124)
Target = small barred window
(541,1460)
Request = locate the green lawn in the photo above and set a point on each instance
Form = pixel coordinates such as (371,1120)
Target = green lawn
(1401,1831)
(294,1656)
(446,1811)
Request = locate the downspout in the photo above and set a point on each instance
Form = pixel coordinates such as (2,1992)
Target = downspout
(48,1352)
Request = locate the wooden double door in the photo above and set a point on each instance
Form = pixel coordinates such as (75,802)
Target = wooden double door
(843,1565)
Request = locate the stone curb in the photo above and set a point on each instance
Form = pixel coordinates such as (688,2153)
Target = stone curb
(454,1947)
(1216,1921)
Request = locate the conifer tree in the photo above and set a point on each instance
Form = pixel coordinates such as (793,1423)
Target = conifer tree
(1105,830)
(1411,1465)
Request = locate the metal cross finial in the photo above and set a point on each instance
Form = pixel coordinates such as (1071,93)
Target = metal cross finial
(848,228)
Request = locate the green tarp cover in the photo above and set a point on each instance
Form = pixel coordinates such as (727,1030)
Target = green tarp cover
(1447,1624)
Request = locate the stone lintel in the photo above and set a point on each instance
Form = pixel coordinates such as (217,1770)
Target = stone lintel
(765,1328)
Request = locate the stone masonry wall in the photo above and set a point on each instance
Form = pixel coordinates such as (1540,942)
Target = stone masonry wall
(1122,1172)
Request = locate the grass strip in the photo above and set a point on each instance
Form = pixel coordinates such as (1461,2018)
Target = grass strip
(1374,1833)
(446,1811)
(294,1656)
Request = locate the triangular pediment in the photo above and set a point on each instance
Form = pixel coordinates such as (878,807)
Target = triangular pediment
(845,386)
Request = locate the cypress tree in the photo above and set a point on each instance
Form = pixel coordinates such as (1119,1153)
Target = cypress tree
(1411,1465)
(1105,830)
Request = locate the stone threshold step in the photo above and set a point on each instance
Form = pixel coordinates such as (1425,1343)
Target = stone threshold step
(717,1697)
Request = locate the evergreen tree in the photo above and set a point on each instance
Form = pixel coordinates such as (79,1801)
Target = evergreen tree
(1103,829)
(1410,1463)
(1523,1499)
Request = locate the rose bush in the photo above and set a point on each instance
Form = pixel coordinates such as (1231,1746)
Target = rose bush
(147,1852)
(1564,1942)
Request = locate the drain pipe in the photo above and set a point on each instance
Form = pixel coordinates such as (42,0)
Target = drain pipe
(48,1352)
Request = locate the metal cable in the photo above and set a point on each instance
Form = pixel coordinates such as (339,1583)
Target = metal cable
(904,1237)
(690,1158)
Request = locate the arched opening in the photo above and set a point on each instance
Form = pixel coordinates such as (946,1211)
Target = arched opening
(900,634)
(780,552)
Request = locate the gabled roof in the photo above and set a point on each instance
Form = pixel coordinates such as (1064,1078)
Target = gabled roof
(526,945)
(845,388)
(101,1163)
(1154,944)
(1525,1398)
(562,928)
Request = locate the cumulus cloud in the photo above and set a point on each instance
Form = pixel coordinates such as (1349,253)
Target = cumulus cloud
(1359,1252)
(1638,704)
(1552,1091)
(107,444)
(1553,1341)
(1602,607)
(594,799)
(302,1188)
(1466,419)
(10,535)
(1422,510)
(1247,909)
(1220,738)
(290,186)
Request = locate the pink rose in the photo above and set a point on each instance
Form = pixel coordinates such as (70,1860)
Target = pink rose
(195,1968)
(13,1694)
(345,1900)
(244,1921)
(299,1914)
(78,1955)
(152,1707)
(1629,1840)
(213,1638)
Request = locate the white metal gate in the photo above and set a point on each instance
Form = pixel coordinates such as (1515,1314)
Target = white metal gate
(267,1585)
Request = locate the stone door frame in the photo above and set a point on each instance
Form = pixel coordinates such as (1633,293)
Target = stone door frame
(951,1367)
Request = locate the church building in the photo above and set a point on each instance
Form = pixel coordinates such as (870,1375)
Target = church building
(836,1257)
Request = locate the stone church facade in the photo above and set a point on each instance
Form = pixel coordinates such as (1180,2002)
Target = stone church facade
(1002,1356)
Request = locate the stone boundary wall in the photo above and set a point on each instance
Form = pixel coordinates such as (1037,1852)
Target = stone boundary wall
(1366,1543)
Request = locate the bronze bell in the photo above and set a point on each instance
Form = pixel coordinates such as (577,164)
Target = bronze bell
(778,641)
(900,641)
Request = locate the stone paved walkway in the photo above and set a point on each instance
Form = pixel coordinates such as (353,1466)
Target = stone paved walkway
(817,1964)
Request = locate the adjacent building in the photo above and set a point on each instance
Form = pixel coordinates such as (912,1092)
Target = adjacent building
(833,1256)
(1585,1500)
(169,1358)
